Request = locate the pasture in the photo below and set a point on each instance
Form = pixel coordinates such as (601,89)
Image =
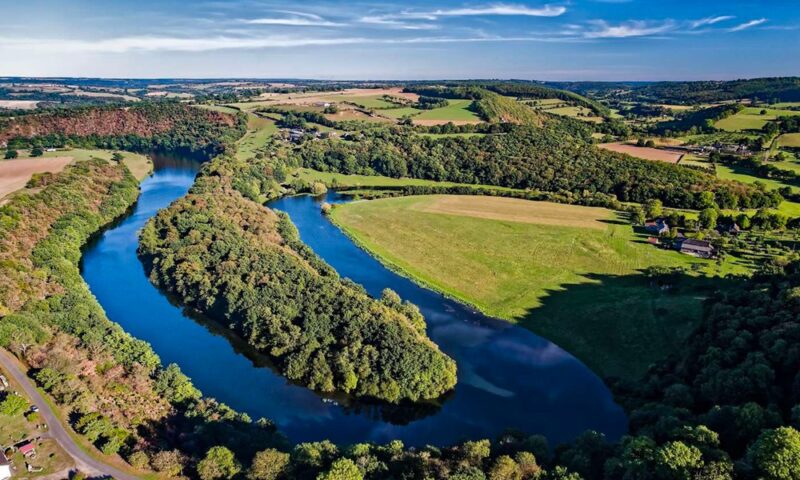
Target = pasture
(580,113)
(751,118)
(457,112)
(259,130)
(645,153)
(789,140)
(569,273)
(19,104)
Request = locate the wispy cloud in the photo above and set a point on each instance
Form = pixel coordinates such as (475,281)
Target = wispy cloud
(156,44)
(407,18)
(746,25)
(295,19)
(631,28)
(702,22)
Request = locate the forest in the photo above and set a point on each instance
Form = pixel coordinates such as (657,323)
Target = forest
(547,158)
(243,264)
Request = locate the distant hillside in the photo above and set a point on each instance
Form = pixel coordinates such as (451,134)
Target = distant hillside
(491,106)
(148,125)
(784,89)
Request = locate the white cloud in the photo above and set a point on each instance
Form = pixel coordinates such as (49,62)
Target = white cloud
(401,19)
(746,25)
(632,28)
(156,44)
(295,19)
(710,20)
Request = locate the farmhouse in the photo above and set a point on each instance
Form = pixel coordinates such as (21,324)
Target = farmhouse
(697,248)
(658,226)
(5,467)
(27,449)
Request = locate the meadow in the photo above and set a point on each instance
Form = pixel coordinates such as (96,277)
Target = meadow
(259,129)
(569,273)
(751,119)
(457,111)
(789,140)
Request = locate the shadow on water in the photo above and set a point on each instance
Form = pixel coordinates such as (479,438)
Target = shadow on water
(508,377)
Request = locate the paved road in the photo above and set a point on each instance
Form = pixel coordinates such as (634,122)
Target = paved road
(83,462)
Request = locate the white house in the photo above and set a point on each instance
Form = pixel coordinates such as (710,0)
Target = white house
(5,467)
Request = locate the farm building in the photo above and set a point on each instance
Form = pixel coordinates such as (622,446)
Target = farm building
(27,449)
(5,467)
(658,226)
(697,248)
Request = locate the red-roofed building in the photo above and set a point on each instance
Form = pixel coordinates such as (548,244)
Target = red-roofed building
(28,449)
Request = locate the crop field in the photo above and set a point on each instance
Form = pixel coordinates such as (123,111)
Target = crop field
(19,104)
(789,140)
(645,153)
(457,111)
(14,174)
(569,273)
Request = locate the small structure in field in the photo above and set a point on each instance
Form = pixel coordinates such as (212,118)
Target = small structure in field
(697,248)
(27,449)
(5,467)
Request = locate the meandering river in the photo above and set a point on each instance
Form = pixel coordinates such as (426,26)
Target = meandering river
(509,378)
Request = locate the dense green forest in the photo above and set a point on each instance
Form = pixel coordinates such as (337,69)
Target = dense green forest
(544,158)
(782,89)
(241,263)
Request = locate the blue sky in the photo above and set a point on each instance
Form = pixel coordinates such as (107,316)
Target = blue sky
(548,40)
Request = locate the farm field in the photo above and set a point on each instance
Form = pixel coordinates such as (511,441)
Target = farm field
(400,112)
(751,119)
(569,273)
(730,173)
(19,104)
(580,113)
(645,153)
(457,111)
(14,174)
(789,140)
(259,129)
(219,108)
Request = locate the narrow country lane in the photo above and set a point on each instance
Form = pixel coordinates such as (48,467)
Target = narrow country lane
(83,462)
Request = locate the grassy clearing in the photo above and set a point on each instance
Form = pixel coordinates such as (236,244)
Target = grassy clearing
(367,181)
(400,112)
(789,140)
(451,135)
(366,101)
(219,108)
(259,129)
(745,176)
(455,111)
(751,119)
(566,272)
(580,113)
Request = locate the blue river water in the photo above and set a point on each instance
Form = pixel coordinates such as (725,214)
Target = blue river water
(509,378)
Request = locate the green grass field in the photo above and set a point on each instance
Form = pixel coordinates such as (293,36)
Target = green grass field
(580,113)
(455,111)
(741,175)
(366,101)
(259,129)
(789,140)
(400,112)
(219,108)
(367,181)
(566,272)
(751,119)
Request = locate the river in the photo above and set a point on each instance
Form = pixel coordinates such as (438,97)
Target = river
(509,378)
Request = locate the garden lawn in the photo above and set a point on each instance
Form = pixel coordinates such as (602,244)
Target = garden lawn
(569,273)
